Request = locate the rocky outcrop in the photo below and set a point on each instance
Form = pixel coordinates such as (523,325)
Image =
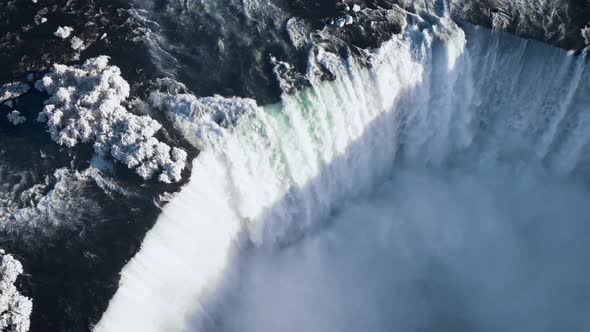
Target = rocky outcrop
(556,22)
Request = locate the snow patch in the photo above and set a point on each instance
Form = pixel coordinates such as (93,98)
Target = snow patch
(15,309)
(86,106)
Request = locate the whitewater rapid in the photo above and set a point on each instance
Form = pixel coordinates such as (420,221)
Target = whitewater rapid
(433,146)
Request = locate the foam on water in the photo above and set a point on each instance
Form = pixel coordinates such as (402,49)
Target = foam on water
(434,100)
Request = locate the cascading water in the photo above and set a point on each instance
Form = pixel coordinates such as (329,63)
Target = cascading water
(425,191)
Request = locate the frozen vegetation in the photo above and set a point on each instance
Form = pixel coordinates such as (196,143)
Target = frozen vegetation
(16,118)
(12,90)
(15,309)
(77,44)
(63,32)
(86,105)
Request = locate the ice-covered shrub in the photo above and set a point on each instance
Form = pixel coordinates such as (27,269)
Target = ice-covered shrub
(86,105)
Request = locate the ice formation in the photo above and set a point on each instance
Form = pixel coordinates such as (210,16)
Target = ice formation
(86,106)
(15,309)
(348,19)
(500,21)
(77,44)
(204,117)
(586,34)
(63,32)
(16,118)
(12,90)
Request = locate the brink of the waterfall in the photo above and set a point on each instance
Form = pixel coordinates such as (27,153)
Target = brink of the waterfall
(298,165)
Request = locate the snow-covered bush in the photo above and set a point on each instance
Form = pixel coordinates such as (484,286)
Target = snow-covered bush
(15,118)
(12,90)
(86,106)
(15,309)
(77,44)
(63,32)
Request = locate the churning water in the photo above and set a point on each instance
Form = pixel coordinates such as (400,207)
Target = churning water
(441,187)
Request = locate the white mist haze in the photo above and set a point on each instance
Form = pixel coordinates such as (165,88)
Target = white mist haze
(464,250)
(441,189)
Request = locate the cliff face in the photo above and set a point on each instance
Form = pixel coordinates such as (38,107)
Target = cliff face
(556,22)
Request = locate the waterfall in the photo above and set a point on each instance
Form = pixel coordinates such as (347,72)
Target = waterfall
(445,124)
